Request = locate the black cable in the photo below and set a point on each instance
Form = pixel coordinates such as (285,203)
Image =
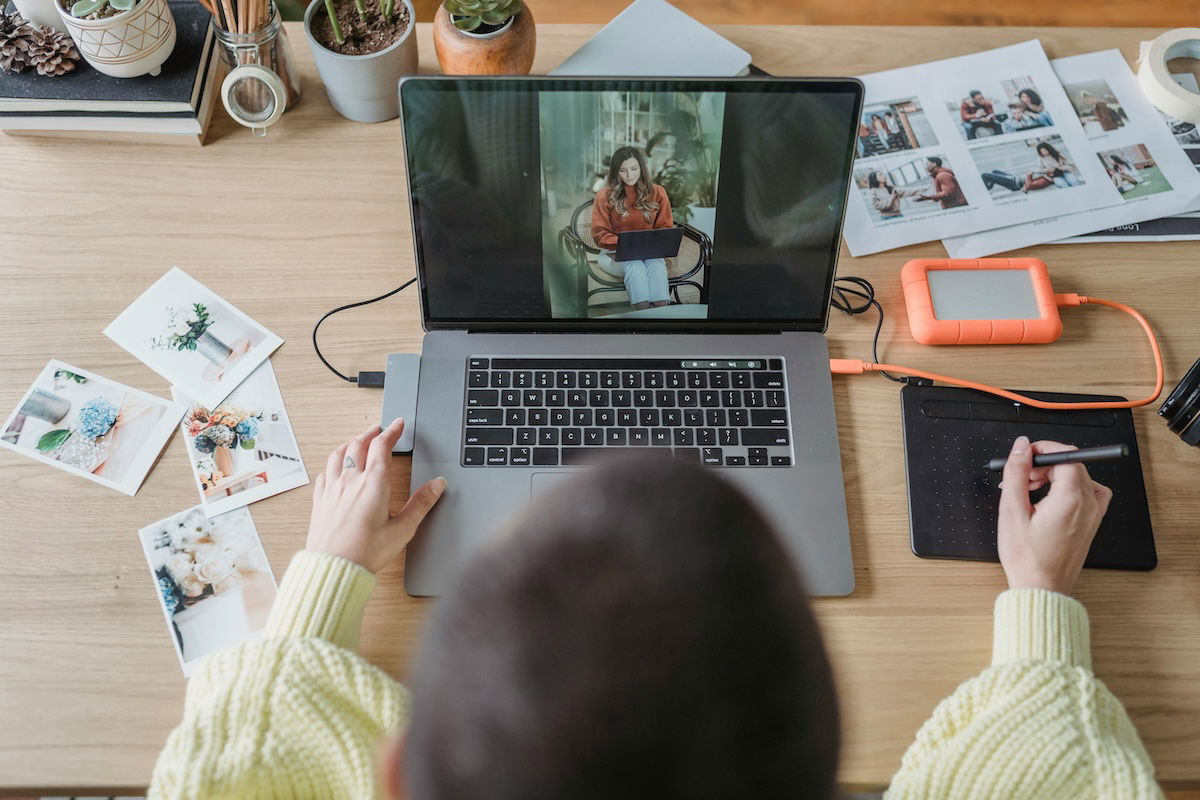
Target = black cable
(839,300)
(329,314)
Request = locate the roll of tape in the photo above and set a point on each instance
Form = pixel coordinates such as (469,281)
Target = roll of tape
(1167,95)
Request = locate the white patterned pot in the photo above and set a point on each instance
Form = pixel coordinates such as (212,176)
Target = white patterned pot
(129,44)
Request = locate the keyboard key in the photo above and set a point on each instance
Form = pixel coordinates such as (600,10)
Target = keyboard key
(598,398)
(560,417)
(768,419)
(711,456)
(631,380)
(614,436)
(577,398)
(648,418)
(775,399)
(514,417)
(697,380)
(781,461)
(691,454)
(758,456)
(693,417)
(739,418)
(714,418)
(593,436)
(719,380)
(672,417)
(589,380)
(543,380)
(728,437)
(477,380)
(488,436)
(626,417)
(510,397)
(660,437)
(519,457)
(768,436)
(582,417)
(740,380)
(572,436)
(610,380)
(473,457)
(489,416)
(652,380)
(731,398)
(478,363)
(527,435)
(576,456)
(676,380)
(606,417)
(497,456)
(664,398)
(684,437)
(483,397)
(547,436)
(565,380)
(639,437)
(753,398)
(643,398)
(545,457)
(500,380)
(556,397)
(706,437)
(768,380)
(710,399)
(735,461)
(522,380)
(776,363)
(621,398)
(538,416)
(532,397)
(686,397)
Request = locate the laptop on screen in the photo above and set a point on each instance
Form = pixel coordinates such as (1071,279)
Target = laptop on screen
(547,348)
(655,243)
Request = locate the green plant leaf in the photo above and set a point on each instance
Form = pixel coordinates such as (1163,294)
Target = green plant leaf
(247,444)
(468,23)
(53,440)
(122,5)
(84,7)
(71,376)
(494,17)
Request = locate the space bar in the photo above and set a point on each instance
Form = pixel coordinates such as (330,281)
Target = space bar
(574,456)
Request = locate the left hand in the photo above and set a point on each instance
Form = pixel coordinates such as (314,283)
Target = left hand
(350,516)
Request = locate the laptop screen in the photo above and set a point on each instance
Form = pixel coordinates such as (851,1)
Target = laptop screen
(522,187)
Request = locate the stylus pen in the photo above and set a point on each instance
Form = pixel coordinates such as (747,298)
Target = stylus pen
(1105,453)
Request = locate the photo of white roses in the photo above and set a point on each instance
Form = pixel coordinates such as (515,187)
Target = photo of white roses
(214,582)
(243,450)
(89,426)
(192,337)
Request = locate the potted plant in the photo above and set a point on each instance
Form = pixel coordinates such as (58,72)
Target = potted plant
(121,38)
(484,37)
(362,49)
(218,434)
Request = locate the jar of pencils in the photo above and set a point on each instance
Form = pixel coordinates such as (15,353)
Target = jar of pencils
(261,84)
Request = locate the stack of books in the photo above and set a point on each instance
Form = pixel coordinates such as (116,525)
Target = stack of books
(174,106)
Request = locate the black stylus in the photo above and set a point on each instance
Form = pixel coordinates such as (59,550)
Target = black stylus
(1105,453)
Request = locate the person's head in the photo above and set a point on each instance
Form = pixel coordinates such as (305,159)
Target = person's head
(640,634)
(878,179)
(628,169)
(876,120)
(1047,149)
(1030,98)
(976,95)
(888,114)
(1016,111)
(932,164)
(1120,162)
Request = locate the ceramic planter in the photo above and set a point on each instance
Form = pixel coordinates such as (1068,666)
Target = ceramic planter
(363,88)
(40,12)
(132,43)
(508,51)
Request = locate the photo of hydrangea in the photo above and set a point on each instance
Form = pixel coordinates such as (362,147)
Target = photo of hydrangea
(212,579)
(91,426)
(244,449)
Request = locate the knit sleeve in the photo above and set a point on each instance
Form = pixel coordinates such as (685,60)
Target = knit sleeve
(1035,724)
(666,218)
(322,596)
(602,228)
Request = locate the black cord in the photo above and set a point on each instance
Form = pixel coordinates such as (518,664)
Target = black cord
(329,314)
(839,300)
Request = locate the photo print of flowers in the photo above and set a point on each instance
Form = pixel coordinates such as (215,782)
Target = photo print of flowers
(213,580)
(90,426)
(244,450)
(192,337)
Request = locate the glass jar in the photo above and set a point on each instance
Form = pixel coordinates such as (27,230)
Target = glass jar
(261,83)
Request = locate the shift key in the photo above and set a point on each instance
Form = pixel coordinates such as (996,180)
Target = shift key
(489,436)
(762,436)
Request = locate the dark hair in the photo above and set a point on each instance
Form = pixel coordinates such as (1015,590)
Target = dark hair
(973,92)
(1050,151)
(641,635)
(643,199)
(1035,99)
(937,162)
(1118,160)
(873,183)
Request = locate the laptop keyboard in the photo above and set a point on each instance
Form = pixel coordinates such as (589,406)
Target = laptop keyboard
(550,412)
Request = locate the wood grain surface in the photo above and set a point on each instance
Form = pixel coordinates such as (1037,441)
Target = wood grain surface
(313,216)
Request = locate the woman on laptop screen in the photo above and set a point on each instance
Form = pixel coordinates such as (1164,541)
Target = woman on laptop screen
(630,201)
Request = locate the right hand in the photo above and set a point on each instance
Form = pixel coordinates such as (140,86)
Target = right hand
(1043,546)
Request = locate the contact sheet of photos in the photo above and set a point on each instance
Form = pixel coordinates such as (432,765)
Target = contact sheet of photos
(968,144)
(1141,158)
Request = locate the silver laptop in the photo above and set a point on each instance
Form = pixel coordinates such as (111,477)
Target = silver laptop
(543,355)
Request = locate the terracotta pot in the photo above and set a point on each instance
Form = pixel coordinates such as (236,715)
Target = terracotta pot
(505,52)
(129,44)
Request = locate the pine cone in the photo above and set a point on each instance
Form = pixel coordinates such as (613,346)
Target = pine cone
(52,52)
(15,34)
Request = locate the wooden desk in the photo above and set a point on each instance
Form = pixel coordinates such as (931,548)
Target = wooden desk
(315,215)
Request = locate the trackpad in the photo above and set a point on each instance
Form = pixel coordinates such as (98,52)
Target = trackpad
(542,484)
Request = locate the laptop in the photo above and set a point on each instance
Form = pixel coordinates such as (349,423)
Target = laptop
(532,371)
(655,243)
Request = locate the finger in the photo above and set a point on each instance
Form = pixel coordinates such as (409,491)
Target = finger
(319,484)
(417,508)
(1047,446)
(356,451)
(1068,484)
(333,467)
(1014,497)
(380,453)
(1103,495)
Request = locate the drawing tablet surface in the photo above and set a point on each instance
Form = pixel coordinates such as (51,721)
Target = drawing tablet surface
(654,243)
(949,434)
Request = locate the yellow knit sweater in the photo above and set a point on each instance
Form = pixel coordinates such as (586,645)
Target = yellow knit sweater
(298,714)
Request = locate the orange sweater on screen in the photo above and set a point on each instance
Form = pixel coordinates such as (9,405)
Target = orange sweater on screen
(606,223)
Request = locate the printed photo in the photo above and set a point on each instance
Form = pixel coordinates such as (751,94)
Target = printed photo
(243,450)
(629,201)
(1031,165)
(1133,171)
(1186,133)
(890,127)
(193,338)
(213,580)
(991,109)
(1097,106)
(906,189)
(90,426)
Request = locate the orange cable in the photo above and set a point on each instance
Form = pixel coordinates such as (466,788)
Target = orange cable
(845,366)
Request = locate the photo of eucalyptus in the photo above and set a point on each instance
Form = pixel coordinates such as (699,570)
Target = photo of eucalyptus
(90,426)
(192,337)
